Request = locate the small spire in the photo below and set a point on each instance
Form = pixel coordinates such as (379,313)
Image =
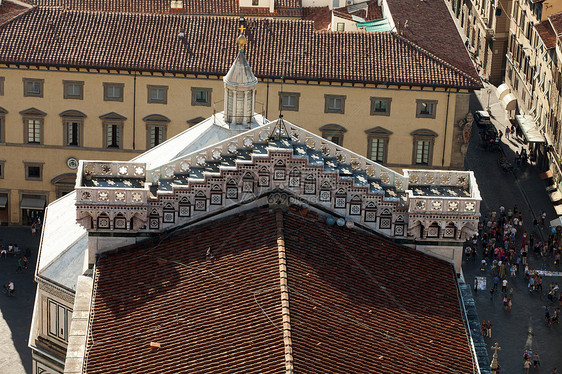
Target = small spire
(242,41)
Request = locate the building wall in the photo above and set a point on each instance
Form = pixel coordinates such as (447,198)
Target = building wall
(52,154)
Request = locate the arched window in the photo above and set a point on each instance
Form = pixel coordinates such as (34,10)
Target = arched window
(333,133)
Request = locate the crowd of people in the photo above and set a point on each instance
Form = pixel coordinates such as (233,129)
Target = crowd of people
(503,249)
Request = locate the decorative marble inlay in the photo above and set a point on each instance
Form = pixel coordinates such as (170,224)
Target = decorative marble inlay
(436,205)
(216,154)
(446,179)
(391,193)
(340,157)
(169,172)
(248,142)
(429,178)
(264,135)
(399,184)
(420,204)
(111,182)
(127,183)
(462,180)
(325,151)
(362,179)
(139,170)
(469,206)
(232,148)
(103,196)
(314,156)
(453,206)
(370,171)
(310,143)
(122,170)
(376,186)
(136,196)
(119,196)
(355,165)
(86,195)
(301,151)
(200,160)
(106,169)
(155,178)
(414,179)
(385,178)
(184,166)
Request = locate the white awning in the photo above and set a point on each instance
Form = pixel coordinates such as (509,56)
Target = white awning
(529,128)
(32,203)
(509,102)
(556,222)
(3,201)
(502,90)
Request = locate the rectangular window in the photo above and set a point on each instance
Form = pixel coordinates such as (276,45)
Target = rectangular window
(377,147)
(113,91)
(255,2)
(157,94)
(426,108)
(2,129)
(1,86)
(34,131)
(341,26)
(335,138)
(113,135)
(380,106)
(422,152)
(156,135)
(2,169)
(33,171)
(33,87)
(201,96)
(58,319)
(73,90)
(72,133)
(289,101)
(334,104)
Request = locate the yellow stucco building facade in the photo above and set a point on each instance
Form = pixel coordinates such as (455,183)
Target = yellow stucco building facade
(63,99)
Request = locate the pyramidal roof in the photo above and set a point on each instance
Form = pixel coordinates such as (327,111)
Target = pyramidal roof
(240,73)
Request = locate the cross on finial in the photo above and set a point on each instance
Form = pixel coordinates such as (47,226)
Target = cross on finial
(496,349)
(242,28)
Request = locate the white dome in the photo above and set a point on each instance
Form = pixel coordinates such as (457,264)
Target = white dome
(240,73)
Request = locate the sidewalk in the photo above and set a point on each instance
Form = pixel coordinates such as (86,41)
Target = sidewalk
(523,327)
(16,311)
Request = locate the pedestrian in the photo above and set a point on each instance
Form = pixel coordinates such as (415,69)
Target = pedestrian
(492,293)
(504,286)
(33,229)
(543,217)
(20,265)
(483,265)
(536,360)
(10,288)
(505,303)
(489,329)
(509,303)
(25,262)
(527,366)
(3,251)
(554,371)
(484,328)
(507,132)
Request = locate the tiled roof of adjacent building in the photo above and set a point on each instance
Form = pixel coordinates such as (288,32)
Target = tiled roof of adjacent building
(556,23)
(284,8)
(356,303)
(546,33)
(10,10)
(429,24)
(151,42)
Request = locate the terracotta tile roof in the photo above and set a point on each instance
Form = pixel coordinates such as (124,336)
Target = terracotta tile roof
(556,23)
(285,8)
(357,303)
(546,33)
(431,27)
(150,42)
(372,11)
(321,16)
(9,11)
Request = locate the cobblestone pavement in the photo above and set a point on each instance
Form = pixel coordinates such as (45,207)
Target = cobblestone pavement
(16,311)
(524,326)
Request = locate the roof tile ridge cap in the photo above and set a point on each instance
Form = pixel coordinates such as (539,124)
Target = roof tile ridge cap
(15,17)
(284,291)
(432,56)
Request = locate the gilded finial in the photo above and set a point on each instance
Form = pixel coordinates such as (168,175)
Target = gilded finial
(242,41)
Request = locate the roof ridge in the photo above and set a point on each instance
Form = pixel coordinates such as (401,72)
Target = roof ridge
(284,289)
(432,56)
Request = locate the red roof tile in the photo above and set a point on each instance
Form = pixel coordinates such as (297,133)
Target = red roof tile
(51,36)
(284,8)
(556,23)
(429,25)
(357,303)
(546,33)
(9,11)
